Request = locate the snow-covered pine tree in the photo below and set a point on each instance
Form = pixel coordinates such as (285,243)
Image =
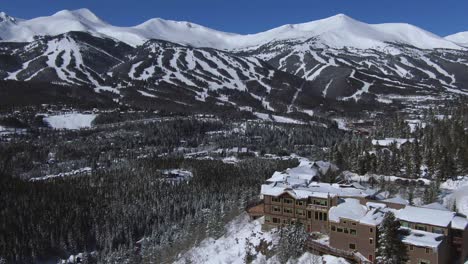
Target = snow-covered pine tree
(291,242)
(391,250)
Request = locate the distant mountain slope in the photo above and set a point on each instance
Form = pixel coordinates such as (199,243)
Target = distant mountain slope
(73,58)
(460,38)
(337,31)
(337,63)
(206,74)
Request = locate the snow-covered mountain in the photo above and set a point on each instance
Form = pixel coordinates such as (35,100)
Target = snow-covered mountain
(337,31)
(292,68)
(460,38)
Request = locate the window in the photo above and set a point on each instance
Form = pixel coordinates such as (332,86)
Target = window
(421,227)
(333,228)
(276,220)
(287,210)
(344,222)
(353,232)
(423,261)
(371,241)
(352,246)
(353,224)
(267,218)
(411,247)
(316,215)
(339,230)
(346,231)
(300,212)
(276,209)
(371,230)
(325,216)
(300,203)
(371,258)
(276,199)
(404,224)
(288,201)
(320,202)
(438,230)
(309,214)
(285,221)
(428,251)
(320,216)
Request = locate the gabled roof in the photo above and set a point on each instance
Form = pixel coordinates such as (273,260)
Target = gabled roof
(425,216)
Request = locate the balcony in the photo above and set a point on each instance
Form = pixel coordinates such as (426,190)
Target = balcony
(316,207)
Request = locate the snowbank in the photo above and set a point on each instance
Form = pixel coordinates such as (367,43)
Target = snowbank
(70,121)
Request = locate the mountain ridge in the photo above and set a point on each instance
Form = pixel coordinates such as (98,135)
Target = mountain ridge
(337,31)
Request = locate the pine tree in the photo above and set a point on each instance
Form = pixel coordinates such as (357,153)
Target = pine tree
(391,249)
(291,242)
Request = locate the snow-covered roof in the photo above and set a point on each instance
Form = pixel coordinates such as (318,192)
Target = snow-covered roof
(397,200)
(389,141)
(374,217)
(422,238)
(436,206)
(372,205)
(426,216)
(350,209)
(459,222)
(304,173)
(298,183)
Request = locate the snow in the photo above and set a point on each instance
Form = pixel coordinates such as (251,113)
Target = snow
(457,193)
(337,31)
(277,118)
(85,170)
(231,247)
(422,238)
(389,141)
(107,89)
(453,184)
(397,200)
(460,38)
(351,176)
(351,209)
(436,206)
(341,123)
(459,222)
(425,216)
(333,260)
(147,94)
(374,217)
(70,121)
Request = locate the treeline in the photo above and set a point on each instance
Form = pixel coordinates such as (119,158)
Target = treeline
(437,150)
(110,211)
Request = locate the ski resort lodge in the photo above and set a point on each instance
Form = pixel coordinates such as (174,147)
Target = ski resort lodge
(350,215)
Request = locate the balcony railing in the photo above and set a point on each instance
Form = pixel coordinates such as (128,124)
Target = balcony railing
(317,207)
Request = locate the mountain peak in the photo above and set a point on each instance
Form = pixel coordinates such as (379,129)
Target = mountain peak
(4,17)
(82,14)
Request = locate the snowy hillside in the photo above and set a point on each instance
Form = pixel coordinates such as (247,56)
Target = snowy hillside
(459,38)
(232,247)
(336,31)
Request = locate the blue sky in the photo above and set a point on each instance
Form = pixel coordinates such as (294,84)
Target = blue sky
(250,16)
